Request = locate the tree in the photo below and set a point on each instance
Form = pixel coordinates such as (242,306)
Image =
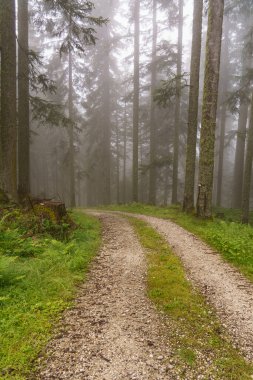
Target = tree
(240,154)
(72,176)
(136,100)
(223,111)
(152,169)
(244,39)
(178,103)
(23,102)
(248,170)
(210,98)
(188,204)
(8,136)
(106,95)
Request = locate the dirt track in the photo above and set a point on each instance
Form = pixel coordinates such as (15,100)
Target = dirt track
(115,333)
(228,291)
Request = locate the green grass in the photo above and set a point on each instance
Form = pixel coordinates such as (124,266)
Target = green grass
(36,288)
(232,239)
(194,332)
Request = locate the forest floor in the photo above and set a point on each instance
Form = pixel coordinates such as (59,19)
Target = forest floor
(115,332)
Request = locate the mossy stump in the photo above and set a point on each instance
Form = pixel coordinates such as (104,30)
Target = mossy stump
(55,211)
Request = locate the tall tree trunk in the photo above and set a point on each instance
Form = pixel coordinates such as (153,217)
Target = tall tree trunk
(210,97)
(107,124)
(221,153)
(136,99)
(178,103)
(248,170)
(124,157)
(8,132)
(118,163)
(188,204)
(224,89)
(23,102)
(166,187)
(152,170)
(71,136)
(239,154)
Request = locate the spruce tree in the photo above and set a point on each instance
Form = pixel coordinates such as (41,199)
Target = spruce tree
(210,98)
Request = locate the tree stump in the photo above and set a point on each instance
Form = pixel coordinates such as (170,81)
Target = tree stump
(48,209)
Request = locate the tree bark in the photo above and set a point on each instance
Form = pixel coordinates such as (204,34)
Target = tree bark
(23,102)
(124,157)
(248,170)
(107,124)
(224,89)
(118,163)
(178,103)
(136,99)
(152,170)
(210,97)
(71,136)
(8,136)
(240,152)
(188,204)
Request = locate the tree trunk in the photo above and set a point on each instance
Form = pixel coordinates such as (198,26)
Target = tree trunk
(152,170)
(221,153)
(224,89)
(178,103)
(118,163)
(239,155)
(107,124)
(248,170)
(188,204)
(8,136)
(136,98)
(166,187)
(124,158)
(71,136)
(210,97)
(23,102)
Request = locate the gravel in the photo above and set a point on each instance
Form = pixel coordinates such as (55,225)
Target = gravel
(225,288)
(113,332)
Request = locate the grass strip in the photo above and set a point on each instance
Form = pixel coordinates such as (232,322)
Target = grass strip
(34,292)
(198,340)
(233,240)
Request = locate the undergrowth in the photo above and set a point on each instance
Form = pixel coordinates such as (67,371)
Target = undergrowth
(38,273)
(229,237)
(198,341)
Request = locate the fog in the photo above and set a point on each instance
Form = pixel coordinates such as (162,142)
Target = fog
(88,160)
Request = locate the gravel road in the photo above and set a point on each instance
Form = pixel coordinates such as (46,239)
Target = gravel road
(113,332)
(223,286)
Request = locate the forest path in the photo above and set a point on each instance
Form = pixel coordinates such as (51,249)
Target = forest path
(230,293)
(113,332)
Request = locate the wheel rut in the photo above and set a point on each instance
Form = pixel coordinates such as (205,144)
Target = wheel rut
(229,292)
(113,332)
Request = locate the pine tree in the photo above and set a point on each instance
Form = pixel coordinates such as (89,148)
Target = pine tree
(210,97)
(136,99)
(248,170)
(23,102)
(223,111)
(178,103)
(8,133)
(153,127)
(188,204)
